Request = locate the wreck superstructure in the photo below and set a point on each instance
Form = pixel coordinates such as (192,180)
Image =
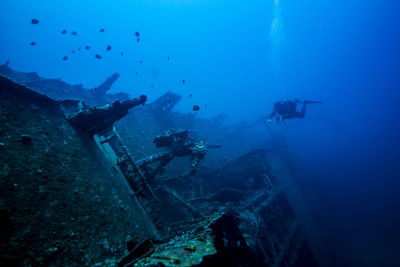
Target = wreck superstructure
(79,199)
(60,90)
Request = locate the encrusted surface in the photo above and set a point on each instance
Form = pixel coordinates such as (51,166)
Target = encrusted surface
(59,204)
(65,200)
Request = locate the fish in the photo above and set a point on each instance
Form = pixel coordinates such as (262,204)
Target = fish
(122,53)
(137,34)
(73,51)
(97,56)
(205,105)
(138,40)
(167,58)
(108,47)
(63,31)
(65,58)
(7,62)
(35,21)
(183,81)
(32,44)
(152,86)
(87,47)
(79,48)
(190,95)
(195,108)
(102,30)
(137,73)
(74,33)
(141,61)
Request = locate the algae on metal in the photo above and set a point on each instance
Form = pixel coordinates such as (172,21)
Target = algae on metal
(188,249)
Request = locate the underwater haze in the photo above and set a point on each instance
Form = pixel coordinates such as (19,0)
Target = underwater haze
(239,57)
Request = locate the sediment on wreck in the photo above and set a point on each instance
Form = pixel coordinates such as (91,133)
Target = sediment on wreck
(60,90)
(76,197)
(60,203)
(251,183)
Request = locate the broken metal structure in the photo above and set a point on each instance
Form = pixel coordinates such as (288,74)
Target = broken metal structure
(165,103)
(177,144)
(60,90)
(240,213)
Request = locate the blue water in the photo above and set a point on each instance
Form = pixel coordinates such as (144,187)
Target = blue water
(239,57)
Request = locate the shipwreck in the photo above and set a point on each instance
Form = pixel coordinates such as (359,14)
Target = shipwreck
(91,178)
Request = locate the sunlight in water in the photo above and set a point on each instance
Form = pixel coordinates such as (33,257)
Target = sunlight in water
(276,34)
(276,24)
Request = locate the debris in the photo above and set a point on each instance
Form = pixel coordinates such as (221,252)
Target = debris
(145,249)
(32,44)
(101,30)
(108,47)
(26,139)
(35,21)
(63,31)
(74,33)
(87,47)
(65,58)
(183,81)
(195,108)
(97,56)
(218,242)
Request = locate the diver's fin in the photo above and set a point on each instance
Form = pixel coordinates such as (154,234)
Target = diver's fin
(312,102)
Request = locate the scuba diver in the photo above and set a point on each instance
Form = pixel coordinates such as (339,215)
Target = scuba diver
(287,109)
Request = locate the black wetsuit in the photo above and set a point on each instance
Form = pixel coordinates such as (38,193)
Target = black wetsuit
(287,109)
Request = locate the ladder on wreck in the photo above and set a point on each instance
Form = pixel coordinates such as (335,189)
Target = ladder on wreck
(112,144)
